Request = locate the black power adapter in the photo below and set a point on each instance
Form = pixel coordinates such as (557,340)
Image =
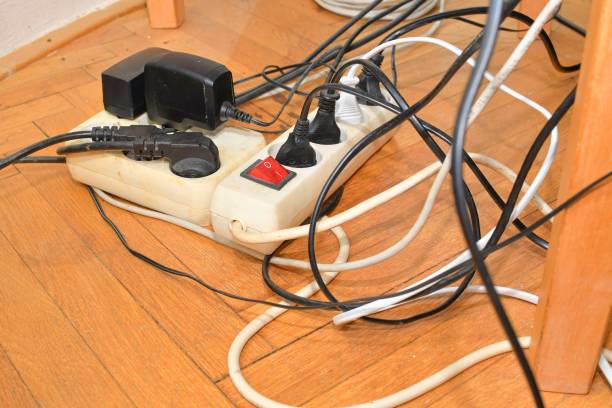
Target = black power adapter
(183,90)
(176,89)
(123,84)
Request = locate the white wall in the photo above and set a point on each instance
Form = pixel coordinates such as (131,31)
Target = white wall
(22,21)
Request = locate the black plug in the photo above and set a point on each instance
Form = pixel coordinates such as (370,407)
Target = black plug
(369,83)
(297,151)
(324,129)
(191,154)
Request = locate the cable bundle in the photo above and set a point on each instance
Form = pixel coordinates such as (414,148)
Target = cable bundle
(350,8)
(341,78)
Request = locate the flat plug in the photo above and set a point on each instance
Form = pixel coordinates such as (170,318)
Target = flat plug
(323,128)
(369,84)
(297,151)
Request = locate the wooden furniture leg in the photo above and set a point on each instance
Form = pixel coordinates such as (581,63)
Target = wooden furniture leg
(532,8)
(166,13)
(572,317)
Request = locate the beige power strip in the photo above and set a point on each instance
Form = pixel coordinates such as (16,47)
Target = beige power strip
(151,183)
(261,208)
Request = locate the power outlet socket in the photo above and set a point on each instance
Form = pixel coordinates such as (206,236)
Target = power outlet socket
(260,208)
(152,184)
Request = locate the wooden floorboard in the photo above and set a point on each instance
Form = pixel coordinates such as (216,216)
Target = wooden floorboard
(84,324)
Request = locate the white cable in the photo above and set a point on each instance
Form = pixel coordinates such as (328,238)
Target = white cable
(407,394)
(383,304)
(605,368)
(233,357)
(549,10)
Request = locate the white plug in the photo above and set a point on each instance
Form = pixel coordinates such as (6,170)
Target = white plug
(347,107)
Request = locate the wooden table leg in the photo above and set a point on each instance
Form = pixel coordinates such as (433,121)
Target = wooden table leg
(532,8)
(166,13)
(572,317)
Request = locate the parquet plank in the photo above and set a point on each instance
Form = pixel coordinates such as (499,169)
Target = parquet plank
(12,388)
(137,352)
(201,323)
(51,357)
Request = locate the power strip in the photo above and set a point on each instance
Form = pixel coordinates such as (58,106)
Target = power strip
(262,208)
(151,183)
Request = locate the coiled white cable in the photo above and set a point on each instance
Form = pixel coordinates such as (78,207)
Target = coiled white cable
(407,394)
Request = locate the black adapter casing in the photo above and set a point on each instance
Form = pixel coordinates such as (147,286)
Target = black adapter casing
(183,90)
(123,84)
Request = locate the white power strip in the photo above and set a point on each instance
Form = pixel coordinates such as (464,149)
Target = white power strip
(260,208)
(151,183)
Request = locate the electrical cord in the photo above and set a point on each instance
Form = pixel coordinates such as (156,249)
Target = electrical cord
(328,56)
(521,49)
(570,24)
(375,306)
(338,232)
(546,41)
(33,148)
(407,394)
(414,4)
(311,246)
(235,114)
(350,8)
(422,217)
(42,159)
(263,88)
(427,283)
(497,10)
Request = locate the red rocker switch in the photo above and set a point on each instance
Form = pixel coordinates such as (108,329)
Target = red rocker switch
(268,172)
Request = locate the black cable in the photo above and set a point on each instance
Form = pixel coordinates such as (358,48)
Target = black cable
(33,148)
(563,206)
(375,70)
(477,24)
(43,159)
(546,41)
(497,10)
(263,88)
(349,42)
(570,24)
(328,56)
(194,278)
(293,91)
(541,138)
(341,52)
(541,242)
(94,146)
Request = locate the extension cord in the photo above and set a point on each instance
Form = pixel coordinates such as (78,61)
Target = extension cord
(151,183)
(259,208)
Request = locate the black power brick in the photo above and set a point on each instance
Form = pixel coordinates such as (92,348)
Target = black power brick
(176,89)
(183,90)
(123,84)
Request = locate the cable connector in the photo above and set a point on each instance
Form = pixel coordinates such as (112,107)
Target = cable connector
(347,107)
(229,111)
(297,151)
(369,83)
(191,154)
(324,129)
